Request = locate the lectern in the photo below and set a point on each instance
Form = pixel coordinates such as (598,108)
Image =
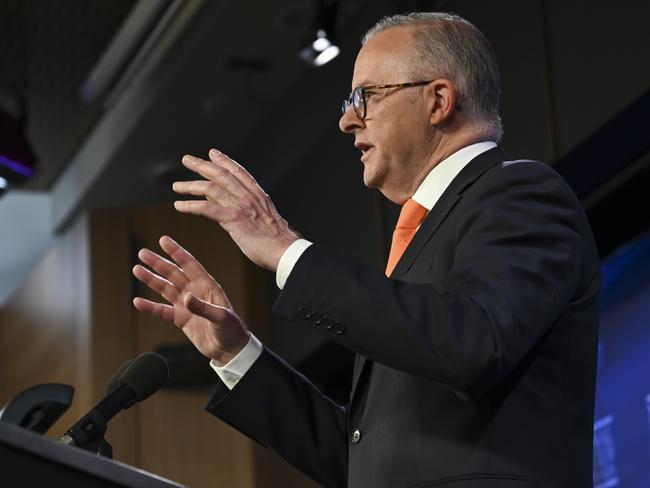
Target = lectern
(28,459)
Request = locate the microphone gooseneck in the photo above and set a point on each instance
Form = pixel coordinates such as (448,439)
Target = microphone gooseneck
(134,381)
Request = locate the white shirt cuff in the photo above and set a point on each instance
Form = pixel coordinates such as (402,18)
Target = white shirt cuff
(289,260)
(231,372)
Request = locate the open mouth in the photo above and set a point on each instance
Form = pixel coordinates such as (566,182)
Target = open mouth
(364,148)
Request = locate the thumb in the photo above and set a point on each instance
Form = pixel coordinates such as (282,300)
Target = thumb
(207,310)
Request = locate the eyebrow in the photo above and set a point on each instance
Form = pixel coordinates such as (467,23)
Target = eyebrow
(366,82)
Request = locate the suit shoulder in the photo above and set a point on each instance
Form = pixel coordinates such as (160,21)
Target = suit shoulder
(527,173)
(526,166)
(527,186)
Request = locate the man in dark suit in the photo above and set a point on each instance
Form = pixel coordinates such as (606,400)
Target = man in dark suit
(476,356)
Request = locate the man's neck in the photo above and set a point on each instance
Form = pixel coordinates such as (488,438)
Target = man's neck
(445,148)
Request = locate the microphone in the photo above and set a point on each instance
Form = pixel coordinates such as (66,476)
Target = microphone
(134,381)
(114,382)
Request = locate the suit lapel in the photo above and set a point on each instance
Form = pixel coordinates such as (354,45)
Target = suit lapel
(433,220)
(447,201)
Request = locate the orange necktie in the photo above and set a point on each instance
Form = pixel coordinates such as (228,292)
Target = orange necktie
(410,218)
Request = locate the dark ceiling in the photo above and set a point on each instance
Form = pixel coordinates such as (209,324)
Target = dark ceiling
(242,62)
(46,51)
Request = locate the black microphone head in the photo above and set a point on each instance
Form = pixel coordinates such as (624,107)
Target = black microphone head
(145,375)
(114,383)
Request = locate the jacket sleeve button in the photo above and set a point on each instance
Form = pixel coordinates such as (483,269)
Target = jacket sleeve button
(327,323)
(304,313)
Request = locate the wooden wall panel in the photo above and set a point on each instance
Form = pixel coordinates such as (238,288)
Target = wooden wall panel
(112,333)
(178,438)
(45,326)
(174,436)
(73,322)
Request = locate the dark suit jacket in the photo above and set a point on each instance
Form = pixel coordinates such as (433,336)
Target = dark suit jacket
(476,360)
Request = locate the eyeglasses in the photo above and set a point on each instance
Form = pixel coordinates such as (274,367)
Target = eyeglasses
(358,96)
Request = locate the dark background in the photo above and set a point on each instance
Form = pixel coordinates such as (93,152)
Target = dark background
(225,74)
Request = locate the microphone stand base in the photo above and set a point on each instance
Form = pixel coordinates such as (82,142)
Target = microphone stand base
(99,446)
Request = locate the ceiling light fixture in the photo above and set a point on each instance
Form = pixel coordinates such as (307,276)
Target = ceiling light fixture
(323,49)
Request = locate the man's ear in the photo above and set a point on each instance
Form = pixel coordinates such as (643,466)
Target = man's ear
(443,100)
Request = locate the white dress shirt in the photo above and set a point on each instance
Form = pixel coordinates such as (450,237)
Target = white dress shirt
(427,194)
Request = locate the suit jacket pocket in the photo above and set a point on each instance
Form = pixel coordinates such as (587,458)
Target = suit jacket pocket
(477,481)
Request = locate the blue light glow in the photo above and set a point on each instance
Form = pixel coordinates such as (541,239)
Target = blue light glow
(16,167)
(622,428)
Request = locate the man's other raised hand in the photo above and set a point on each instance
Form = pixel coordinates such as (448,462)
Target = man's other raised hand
(196,302)
(230,196)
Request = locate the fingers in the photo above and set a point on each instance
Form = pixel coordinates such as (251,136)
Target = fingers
(212,210)
(235,168)
(191,268)
(198,207)
(229,185)
(244,177)
(202,188)
(201,281)
(214,313)
(211,190)
(178,276)
(160,285)
(182,257)
(163,267)
(215,174)
(158,309)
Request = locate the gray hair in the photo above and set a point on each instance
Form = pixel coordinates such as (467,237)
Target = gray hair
(450,46)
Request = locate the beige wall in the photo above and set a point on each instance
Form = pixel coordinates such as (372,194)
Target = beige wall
(72,322)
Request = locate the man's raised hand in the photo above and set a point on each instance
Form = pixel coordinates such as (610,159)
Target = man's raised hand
(197,303)
(230,196)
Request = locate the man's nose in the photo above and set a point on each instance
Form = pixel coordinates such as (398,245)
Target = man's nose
(349,121)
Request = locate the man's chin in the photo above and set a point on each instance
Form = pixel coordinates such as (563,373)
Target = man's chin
(378,182)
(369,183)
(370,178)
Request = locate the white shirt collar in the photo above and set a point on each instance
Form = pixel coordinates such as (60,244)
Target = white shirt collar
(440,177)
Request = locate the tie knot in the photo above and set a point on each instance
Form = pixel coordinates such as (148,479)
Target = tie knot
(411,215)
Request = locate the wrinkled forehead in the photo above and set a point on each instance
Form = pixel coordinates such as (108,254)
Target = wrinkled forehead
(385,58)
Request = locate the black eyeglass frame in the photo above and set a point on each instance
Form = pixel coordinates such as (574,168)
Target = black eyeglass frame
(357,97)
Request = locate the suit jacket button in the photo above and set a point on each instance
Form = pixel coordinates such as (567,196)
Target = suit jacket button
(304,313)
(356,436)
(339,328)
(327,323)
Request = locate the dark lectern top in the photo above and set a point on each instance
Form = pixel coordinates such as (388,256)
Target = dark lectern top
(28,459)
